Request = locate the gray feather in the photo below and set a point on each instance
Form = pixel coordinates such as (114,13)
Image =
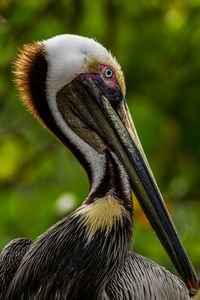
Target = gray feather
(10,259)
(142,279)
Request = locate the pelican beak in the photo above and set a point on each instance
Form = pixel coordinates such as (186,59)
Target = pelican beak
(113,123)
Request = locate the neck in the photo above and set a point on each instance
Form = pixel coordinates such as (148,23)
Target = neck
(110,178)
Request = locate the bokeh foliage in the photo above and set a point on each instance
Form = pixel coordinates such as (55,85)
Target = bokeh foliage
(158,45)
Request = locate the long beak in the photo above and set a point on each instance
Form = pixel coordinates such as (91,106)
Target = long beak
(116,128)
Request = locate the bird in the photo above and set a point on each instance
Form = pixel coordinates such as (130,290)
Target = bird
(76,89)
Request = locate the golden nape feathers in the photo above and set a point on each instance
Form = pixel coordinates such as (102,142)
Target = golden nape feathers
(30,74)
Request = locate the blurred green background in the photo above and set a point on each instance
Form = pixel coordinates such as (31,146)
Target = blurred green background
(158,46)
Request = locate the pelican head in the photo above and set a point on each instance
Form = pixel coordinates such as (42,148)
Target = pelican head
(76,88)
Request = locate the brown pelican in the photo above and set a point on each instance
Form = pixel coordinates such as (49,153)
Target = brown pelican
(76,89)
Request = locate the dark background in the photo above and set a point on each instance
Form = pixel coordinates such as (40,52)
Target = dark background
(157,44)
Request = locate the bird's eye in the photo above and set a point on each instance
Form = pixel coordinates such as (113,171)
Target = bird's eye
(108,73)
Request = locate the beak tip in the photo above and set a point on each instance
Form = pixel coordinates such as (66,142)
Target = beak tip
(194,288)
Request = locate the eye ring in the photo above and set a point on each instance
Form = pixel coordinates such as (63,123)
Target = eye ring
(108,73)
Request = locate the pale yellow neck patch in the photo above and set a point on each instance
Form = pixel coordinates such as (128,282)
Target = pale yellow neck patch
(103,214)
